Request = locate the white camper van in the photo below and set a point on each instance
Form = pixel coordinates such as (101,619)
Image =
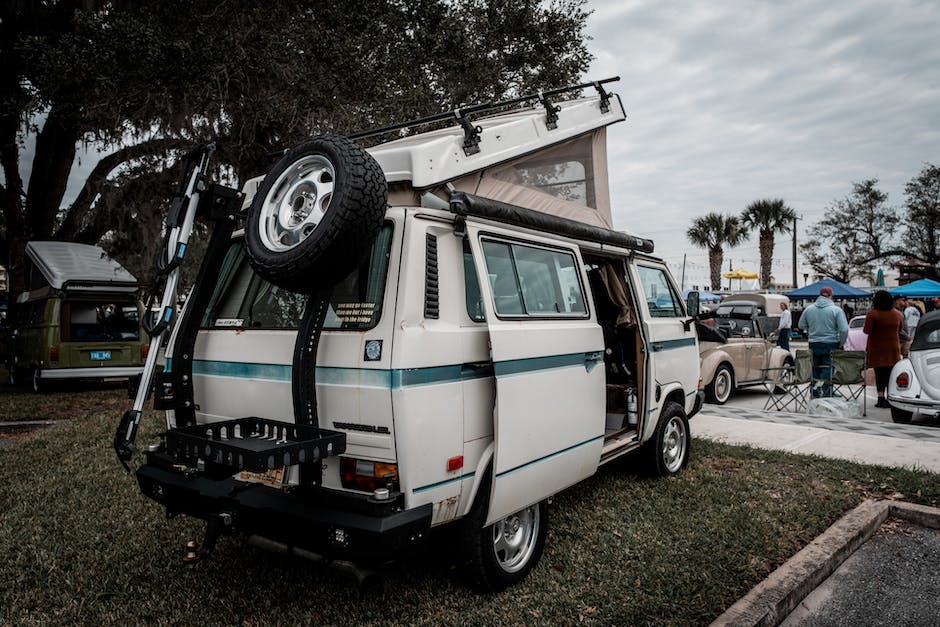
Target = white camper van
(493,342)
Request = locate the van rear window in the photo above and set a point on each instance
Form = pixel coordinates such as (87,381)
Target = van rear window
(98,321)
(242,299)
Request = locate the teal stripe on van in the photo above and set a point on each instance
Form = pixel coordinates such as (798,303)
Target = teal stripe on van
(532,364)
(392,379)
(550,455)
(241,370)
(665,345)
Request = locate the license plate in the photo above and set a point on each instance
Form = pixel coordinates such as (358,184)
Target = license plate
(275,478)
(100,355)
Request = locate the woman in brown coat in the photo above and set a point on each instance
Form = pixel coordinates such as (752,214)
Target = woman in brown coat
(883,325)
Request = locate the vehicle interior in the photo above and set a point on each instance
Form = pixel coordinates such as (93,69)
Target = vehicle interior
(616,313)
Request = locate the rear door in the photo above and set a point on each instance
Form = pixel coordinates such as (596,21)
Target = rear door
(547,352)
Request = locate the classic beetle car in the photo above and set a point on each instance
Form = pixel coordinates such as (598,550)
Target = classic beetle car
(914,385)
(736,348)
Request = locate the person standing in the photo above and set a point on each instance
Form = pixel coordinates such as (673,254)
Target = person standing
(911,318)
(783,328)
(883,325)
(827,329)
(899,304)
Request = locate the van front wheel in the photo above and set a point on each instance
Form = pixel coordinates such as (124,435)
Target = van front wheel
(502,554)
(668,451)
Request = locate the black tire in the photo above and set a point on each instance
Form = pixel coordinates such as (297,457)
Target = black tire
(333,195)
(490,565)
(38,384)
(900,416)
(721,387)
(669,449)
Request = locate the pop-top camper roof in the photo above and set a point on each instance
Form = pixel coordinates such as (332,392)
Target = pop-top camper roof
(68,265)
(550,157)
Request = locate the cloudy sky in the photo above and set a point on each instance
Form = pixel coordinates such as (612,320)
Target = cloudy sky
(729,102)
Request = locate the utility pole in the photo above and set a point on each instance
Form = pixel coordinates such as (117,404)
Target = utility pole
(794,252)
(682,282)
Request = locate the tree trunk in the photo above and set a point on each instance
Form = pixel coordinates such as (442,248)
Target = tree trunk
(12,205)
(716,256)
(49,175)
(766,247)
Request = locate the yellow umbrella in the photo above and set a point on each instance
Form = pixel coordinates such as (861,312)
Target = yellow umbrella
(739,274)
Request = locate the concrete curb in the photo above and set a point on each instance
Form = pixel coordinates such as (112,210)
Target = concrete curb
(772,600)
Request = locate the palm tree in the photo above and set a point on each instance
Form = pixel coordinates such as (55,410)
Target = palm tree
(712,231)
(767,216)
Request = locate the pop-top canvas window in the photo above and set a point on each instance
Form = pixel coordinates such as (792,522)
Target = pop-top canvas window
(565,172)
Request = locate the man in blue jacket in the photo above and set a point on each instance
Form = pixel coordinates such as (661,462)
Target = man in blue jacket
(827,329)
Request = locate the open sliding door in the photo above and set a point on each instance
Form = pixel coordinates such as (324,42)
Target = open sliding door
(547,352)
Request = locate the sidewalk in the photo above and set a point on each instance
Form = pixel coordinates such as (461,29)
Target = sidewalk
(854,439)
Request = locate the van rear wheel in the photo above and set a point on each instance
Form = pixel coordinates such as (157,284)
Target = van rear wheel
(316,214)
(502,554)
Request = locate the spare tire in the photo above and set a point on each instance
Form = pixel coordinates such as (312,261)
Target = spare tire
(316,214)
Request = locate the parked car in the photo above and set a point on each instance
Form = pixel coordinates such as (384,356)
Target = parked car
(857,339)
(78,319)
(914,386)
(737,349)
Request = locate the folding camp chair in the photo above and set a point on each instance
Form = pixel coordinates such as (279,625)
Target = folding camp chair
(848,376)
(789,386)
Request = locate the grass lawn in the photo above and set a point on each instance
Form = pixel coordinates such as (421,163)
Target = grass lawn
(81,545)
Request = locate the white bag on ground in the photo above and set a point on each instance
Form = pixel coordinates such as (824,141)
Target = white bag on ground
(836,407)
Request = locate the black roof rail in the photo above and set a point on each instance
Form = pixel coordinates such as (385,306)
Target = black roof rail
(459,116)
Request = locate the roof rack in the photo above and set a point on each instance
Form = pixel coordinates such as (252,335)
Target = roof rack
(471,132)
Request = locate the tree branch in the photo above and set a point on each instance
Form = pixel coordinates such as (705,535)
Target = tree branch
(78,211)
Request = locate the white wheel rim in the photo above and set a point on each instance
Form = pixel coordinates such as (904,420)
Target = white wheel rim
(722,385)
(514,539)
(296,203)
(674,444)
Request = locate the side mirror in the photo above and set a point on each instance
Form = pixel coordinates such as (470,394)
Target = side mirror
(692,303)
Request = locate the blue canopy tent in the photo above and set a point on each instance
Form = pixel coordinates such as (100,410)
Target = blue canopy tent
(840,291)
(924,288)
(704,297)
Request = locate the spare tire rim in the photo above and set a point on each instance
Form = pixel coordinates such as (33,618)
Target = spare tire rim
(514,539)
(296,203)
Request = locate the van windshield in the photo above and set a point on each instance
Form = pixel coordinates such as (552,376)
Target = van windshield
(242,299)
(99,321)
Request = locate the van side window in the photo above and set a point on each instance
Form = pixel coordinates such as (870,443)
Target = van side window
(533,281)
(472,286)
(242,299)
(661,298)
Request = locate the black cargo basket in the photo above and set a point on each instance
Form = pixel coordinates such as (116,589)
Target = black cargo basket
(254,444)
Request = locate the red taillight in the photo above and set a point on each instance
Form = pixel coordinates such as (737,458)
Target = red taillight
(144,351)
(54,355)
(455,463)
(903,381)
(361,474)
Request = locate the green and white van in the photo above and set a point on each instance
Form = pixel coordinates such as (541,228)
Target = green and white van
(80,317)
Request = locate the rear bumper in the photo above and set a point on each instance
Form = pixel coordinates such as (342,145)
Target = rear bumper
(332,524)
(915,404)
(104,372)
